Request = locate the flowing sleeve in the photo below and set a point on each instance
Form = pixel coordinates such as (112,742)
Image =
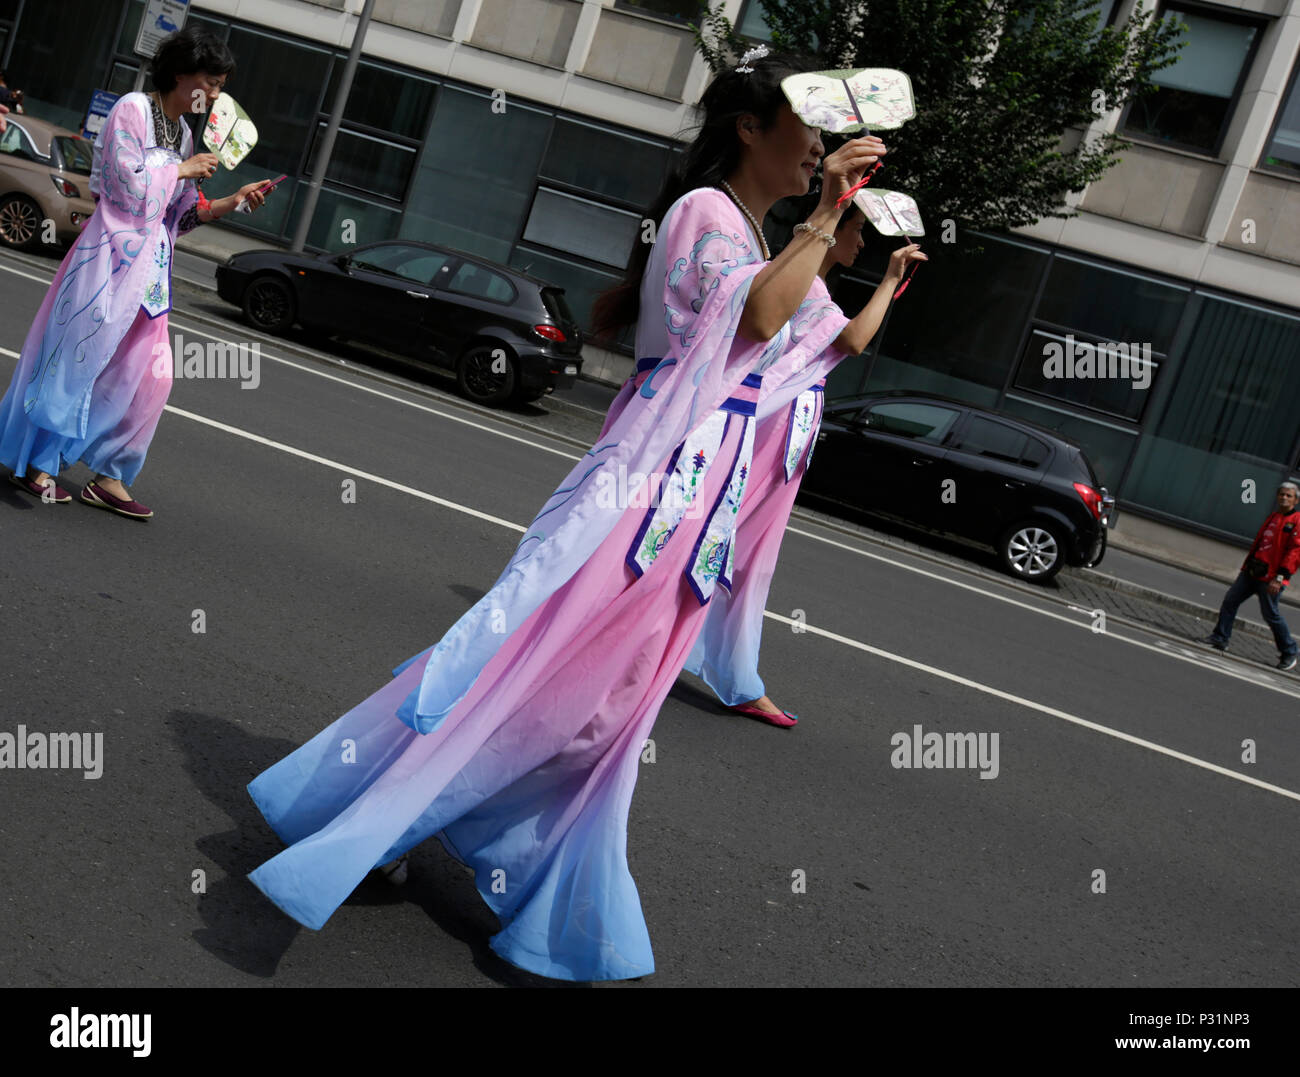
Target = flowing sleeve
(811,354)
(136,192)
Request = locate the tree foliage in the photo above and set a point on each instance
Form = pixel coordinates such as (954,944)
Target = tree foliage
(1005,91)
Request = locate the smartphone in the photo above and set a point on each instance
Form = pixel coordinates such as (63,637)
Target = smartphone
(266,188)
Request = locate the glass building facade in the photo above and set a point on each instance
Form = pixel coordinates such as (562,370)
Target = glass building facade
(563,195)
(1215,401)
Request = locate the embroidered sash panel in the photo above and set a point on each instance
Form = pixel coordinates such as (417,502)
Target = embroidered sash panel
(805,421)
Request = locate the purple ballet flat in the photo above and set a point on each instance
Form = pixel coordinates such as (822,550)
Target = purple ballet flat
(94,494)
(61,496)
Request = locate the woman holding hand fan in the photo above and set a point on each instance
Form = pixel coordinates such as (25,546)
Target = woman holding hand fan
(517,738)
(90,385)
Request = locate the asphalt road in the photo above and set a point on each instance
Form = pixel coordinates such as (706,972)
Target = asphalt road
(1118,752)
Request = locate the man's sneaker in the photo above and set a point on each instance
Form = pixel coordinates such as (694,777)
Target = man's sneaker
(1215,642)
(1287,661)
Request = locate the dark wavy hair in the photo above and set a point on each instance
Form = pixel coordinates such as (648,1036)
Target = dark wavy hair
(186,52)
(711,157)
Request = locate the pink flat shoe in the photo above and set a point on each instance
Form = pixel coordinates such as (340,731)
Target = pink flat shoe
(61,496)
(784,720)
(94,494)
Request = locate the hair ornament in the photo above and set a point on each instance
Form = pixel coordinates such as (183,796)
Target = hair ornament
(756,53)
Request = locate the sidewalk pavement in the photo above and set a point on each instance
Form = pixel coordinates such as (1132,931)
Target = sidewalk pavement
(1141,580)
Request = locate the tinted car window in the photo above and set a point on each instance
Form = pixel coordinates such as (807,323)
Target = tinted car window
(926,422)
(16,143)
(410,263)
(997,441)
(557,306)
(471,279)
(76,154)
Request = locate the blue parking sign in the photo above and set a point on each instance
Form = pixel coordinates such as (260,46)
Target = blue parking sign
(100,106)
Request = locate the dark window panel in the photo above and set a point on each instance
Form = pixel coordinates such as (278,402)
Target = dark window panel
(366,163)
(1118,384)
(279,82)
(1111,303)
(384,99)
(475,198)
(605,162)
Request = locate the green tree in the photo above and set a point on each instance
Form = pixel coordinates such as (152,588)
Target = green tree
(1004,89)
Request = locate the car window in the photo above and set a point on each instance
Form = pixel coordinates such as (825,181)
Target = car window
(925,422)
(417,264)
(16,143)
(76,154)
(471,279)
(997,441)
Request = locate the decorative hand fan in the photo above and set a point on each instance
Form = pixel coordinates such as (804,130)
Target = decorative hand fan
(892,212)
(229,133)
(843,101)
(852,101)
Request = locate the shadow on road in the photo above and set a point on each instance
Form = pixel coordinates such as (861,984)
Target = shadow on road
(245,930)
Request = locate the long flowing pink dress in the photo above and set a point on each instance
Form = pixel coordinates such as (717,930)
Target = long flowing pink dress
(96,370)
(517,738)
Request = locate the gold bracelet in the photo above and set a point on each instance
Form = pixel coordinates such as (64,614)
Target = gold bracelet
(825,237)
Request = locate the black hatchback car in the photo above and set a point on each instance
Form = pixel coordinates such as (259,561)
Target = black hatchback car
(974,474)
(508,336)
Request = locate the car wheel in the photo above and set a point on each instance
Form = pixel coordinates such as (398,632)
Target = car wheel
(20,223)
(484,378)
(1033,551)
(269,304)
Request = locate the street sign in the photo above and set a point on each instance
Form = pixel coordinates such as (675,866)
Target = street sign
(100,105)
(161,17)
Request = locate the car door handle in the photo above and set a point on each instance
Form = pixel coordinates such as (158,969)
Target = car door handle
(417,295)
(1014,484)
(922,463)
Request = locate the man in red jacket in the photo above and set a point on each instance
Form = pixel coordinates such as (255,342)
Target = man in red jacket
(1267,569)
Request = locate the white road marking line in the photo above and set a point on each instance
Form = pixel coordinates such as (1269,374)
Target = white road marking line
(346,469)
(353,384)
(1041,707)
(1225,670)
(889,656)
(1198,661)
(19,273)
(173,321)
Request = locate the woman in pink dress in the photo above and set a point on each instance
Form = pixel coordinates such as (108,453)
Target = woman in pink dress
(95,370)
(725,654)
(516,739)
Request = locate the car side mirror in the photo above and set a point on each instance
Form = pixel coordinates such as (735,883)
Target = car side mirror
(343,261)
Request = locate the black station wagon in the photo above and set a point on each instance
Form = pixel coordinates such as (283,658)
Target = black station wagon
(508,336)
(974,474)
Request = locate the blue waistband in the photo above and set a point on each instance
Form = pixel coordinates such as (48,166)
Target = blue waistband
(737,406)
(753,381)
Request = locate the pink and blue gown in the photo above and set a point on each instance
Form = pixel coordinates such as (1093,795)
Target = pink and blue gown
(725,655)
(516,739)
(95,370)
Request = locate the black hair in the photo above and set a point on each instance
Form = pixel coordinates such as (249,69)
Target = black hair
(187,52)
(712,156)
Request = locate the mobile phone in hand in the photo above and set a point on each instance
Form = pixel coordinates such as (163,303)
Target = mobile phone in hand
(265,188)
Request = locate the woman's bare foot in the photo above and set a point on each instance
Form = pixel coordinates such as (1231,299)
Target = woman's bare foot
(763,703)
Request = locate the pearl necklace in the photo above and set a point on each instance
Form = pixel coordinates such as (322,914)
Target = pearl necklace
(170,129)
(767,255)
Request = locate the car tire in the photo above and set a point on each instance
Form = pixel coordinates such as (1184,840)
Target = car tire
(269,304)
(479,382)
(20,223)
(1033,551)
